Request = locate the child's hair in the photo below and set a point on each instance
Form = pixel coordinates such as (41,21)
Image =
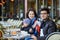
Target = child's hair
(27,21)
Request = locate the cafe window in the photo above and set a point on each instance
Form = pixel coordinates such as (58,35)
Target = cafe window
(13,9)
(58,8)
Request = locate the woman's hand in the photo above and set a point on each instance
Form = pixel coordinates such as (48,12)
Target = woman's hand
(35,24)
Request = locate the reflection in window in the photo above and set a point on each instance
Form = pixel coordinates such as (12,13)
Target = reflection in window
(13,9)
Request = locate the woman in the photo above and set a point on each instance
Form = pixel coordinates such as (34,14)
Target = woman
(31,25)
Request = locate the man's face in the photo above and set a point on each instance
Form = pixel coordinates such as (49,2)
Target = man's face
(44,15)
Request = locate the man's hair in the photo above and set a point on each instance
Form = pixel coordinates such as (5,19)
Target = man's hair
(45,9)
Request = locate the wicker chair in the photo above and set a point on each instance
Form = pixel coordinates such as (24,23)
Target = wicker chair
(1,35)
(53,36)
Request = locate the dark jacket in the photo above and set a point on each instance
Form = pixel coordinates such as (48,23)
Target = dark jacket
(48,27)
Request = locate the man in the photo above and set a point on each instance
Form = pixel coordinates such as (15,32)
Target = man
(47,25)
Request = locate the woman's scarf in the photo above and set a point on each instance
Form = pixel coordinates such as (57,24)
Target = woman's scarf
(32,20)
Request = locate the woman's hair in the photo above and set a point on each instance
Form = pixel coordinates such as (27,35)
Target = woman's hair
(31,9)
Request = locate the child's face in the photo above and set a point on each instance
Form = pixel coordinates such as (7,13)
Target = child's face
(25,24)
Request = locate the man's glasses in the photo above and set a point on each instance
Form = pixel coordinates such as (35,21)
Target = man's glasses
(43,13)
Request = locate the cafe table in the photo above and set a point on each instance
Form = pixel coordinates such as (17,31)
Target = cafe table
(5,24)
(18,35)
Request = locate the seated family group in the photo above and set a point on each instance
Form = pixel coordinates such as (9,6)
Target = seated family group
(38,28)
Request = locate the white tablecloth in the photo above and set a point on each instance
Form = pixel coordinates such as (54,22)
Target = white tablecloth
(22,34)
(5,24)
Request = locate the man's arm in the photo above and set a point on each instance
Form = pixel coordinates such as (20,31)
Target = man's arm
(51,28)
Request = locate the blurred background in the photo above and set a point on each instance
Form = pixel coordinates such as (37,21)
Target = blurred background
(17,9)
(12,12)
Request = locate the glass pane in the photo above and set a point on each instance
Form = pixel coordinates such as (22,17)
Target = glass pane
(21,7)
(31,4)
(58,8)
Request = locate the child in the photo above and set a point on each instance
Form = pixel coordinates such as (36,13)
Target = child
(26,22)
(25,25)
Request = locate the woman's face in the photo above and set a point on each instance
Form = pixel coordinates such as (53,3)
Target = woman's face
(31,14)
